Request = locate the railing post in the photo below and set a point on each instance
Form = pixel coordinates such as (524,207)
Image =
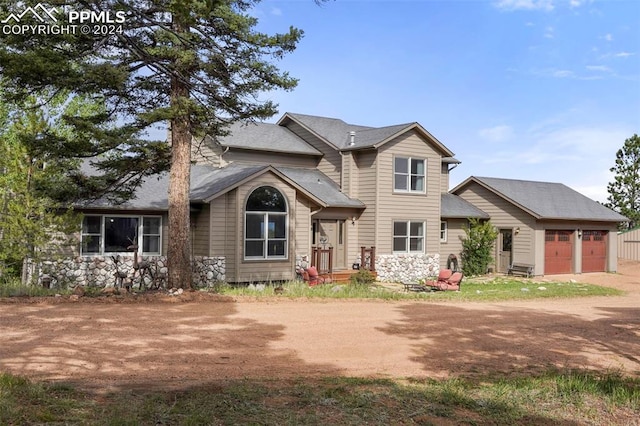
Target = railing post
(373,259)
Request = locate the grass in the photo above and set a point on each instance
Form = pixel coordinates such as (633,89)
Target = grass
(481,289)
(13,288)
(472,290)
(582,397)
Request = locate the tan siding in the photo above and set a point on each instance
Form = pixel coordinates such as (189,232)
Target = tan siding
(444,178)
(331,163)
(453,245)
(394,206)
(301,231)
(259,270)
(206,152)
(200,231)
(274,158)
(232,211)
(224,232)
(366,163)
(505,215)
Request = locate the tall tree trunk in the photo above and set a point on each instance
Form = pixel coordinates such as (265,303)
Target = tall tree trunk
(179,249)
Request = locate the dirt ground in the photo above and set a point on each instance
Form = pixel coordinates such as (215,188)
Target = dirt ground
(178,342)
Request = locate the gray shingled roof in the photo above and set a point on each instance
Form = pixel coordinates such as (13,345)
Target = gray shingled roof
(334,130)
(368,138)
(266,137)
(208,181)
(337,132)
(454,207)
(320,186)
(546,200)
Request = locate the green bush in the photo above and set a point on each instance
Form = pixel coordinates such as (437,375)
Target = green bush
(477,247)
(362,277)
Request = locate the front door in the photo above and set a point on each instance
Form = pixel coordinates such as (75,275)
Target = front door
(332,233)
(505,247)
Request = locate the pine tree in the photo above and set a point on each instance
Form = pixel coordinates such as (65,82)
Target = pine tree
(32,223)
(196,64)
(624,191)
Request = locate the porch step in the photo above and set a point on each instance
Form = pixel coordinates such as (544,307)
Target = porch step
(344,276)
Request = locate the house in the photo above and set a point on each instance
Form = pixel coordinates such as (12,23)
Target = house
(270,197)
(548,225)
(268,194)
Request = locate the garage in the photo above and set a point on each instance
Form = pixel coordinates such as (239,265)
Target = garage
(594,251)
(558,252)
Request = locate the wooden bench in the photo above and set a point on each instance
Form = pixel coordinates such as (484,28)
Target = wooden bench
(523,269)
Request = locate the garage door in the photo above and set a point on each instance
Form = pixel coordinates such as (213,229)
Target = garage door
(594,251)
(558,250)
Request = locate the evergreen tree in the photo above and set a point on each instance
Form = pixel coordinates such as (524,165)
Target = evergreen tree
(624,191)
(32,223)
(197,64)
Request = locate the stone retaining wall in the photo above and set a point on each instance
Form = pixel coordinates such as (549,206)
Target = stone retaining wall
(407,268)
(100,271)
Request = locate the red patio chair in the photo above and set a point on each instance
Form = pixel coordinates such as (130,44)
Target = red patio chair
(451,284)
(311,276)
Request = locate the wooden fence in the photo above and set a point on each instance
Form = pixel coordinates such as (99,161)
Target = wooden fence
(629,245)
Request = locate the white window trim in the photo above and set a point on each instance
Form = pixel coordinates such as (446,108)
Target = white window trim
(408,236)
(266,238)
(444,233)
(266,257)
(408,175)
(140,241)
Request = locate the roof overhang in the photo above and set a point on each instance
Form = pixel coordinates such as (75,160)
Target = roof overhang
(423,132)
(472,179)
(261,172)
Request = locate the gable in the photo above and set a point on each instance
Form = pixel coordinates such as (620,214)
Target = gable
(544,200)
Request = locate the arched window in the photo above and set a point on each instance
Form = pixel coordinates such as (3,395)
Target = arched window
(265,235)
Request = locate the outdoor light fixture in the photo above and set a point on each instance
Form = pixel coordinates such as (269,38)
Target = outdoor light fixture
(579,233)
(516,231)
(353,220)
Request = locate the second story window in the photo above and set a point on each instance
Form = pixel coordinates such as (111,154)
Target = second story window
(409,174)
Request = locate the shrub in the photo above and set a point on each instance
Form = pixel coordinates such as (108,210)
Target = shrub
(477,247)
(362,277)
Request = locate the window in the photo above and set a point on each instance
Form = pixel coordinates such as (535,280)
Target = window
(114,234)
(443,232)
(409,174)
(265,225)
(408,237)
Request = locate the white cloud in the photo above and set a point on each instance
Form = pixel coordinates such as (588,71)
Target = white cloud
(276,11)
(549,32)
(599,68)
(497,133)
(562,73)
(623,54)
(608,37)
(511,5)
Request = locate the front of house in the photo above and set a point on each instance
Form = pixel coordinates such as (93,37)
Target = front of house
(269,197)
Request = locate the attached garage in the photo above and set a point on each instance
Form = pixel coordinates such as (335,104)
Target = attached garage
(594,251)
(558,252)
(552,227)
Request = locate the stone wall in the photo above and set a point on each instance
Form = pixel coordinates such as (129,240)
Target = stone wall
(407,268)
(100,271)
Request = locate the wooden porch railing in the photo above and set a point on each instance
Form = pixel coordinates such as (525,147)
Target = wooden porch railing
(322,259)
(368,258)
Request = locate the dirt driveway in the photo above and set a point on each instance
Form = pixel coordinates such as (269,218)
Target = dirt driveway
(175,343)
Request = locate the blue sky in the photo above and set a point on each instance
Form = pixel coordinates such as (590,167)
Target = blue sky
(525,89)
